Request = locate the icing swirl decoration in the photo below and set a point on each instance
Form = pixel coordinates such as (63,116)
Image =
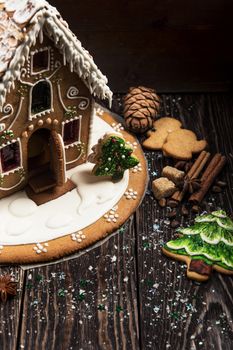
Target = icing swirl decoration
(73,93)
(57,64)
(8,109)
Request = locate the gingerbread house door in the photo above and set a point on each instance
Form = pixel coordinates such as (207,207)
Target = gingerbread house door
(46,163)
(57,161)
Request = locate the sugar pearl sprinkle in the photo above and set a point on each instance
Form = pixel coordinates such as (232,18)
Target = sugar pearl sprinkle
(131,194)
(133,145)
(99,111)
(117,127)
(1,249)
(78,237)
(137,168)
(112,216)
(41,248)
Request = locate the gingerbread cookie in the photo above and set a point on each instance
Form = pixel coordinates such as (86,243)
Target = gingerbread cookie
(172,140)
(162,127)
(112,156)
(205,246)
(181,144)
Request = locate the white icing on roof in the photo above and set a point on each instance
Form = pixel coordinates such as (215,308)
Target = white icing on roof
(21,22)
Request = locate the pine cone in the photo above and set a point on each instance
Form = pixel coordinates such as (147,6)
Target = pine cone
(141,106)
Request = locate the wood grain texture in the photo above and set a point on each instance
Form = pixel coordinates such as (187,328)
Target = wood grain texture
(11,312)
(176,313)
(180,47)
(86,303)
(146,300)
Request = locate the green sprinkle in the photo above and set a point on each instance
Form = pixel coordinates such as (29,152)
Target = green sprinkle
(146,245)
(61,292)
(118,308)
(101,307)
(83,283)
(175,315)
(81,296)
(39,278)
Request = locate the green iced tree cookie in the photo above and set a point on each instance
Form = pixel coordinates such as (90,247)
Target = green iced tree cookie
(208,244)
(112,156)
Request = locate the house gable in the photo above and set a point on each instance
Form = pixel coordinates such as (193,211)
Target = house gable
(63,105)
(22,23)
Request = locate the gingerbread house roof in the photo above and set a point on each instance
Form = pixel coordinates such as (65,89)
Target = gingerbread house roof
(21,23)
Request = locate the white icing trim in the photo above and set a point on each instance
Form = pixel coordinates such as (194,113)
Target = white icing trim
(60,97)
(72,94)
(9,142)
(46,17)
(18,112)
(73,144)
(79,130)
(11,188)
(57,66)
(64,156)
(76,159)
(33,53)
(32,116)
(20,155)
(8,110)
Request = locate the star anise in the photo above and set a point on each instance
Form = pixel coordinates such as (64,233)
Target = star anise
(191,185)
(7,287)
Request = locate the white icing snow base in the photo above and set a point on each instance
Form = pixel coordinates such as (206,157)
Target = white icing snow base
(22,221)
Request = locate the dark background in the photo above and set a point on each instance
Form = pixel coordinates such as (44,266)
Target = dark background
(172,45)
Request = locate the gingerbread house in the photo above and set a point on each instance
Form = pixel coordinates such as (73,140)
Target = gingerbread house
(47,84)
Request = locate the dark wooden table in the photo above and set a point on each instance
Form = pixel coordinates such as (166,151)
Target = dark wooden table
(122,293)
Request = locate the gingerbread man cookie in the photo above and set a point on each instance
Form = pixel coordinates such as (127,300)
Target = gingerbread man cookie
(162,128)
(181,144)
(172,140)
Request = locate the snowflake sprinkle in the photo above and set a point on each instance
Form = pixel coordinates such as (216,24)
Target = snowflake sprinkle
(131,194)
(41,248)
(112,216)
(78,237)
(117,127)
(137,168)
(133,145)
(99,111)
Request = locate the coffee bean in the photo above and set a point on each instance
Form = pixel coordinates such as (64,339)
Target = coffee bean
(188,166)
(162,202)
(184,211)
(175,224)
(172,214)
(180,165)
(172,203)
(216,189)
(195,209)
(221,183)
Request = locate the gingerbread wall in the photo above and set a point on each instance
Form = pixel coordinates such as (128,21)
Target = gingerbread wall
(70,102)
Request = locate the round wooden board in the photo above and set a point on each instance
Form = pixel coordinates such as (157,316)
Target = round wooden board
(60,247)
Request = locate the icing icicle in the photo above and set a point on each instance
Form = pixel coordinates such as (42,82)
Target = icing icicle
(41,17)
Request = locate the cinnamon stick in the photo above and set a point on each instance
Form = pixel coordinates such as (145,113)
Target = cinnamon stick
(214,161)
(210,174)
(193,173)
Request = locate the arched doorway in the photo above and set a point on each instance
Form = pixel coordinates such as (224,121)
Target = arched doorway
(45,160)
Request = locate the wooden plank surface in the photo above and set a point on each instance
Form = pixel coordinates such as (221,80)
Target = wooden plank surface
(11,312)
(86,303)
(123,294)
(176,46)
(176,313)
